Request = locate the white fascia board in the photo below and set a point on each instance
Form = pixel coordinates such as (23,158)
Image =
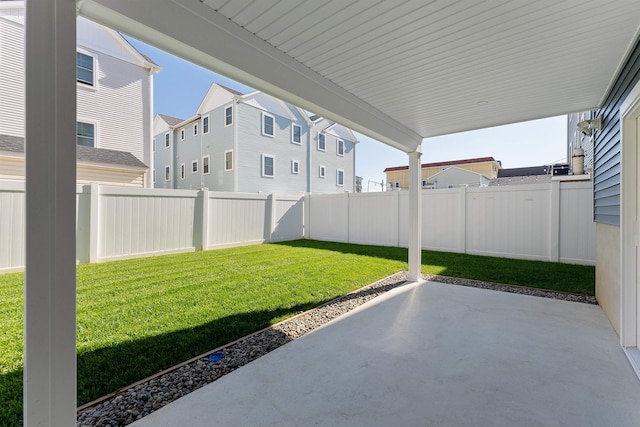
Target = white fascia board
(186,28)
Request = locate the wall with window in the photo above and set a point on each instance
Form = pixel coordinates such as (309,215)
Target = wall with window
(117,104)
(337,160)
(270,163)
(215,143)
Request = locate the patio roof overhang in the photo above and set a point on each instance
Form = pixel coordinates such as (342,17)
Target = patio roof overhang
(398,71)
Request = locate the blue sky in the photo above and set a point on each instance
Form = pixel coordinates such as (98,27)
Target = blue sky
(181,85)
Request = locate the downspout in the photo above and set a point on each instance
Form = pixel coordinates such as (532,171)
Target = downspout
(234,155)
(148,180)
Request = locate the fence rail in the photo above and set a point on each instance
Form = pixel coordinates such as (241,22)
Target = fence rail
(543,221)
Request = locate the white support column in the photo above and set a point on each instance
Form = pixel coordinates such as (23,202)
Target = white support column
(50,150)
(415,217)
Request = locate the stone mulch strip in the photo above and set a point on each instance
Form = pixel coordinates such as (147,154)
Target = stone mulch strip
(142,398)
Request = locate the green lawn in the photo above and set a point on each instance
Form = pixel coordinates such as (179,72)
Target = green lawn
(138,317)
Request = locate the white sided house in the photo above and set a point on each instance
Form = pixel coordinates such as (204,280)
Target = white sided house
(252,143)
(114,103)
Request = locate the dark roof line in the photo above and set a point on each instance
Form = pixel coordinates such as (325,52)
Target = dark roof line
(171,121)
(15,144)
(448,163)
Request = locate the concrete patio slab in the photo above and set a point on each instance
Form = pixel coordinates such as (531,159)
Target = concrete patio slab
(432,354)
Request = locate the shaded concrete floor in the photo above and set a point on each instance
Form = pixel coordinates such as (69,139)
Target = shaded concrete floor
(432,354)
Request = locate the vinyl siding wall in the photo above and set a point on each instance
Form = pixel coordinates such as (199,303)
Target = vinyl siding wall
(11,78)
(608,144)
(118,105)
(215,143)
(252,145)
(332,162)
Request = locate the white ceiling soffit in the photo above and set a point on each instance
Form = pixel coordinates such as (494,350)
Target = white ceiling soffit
(399,70)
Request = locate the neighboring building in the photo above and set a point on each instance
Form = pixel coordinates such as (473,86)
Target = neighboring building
(114,103)
(525,175)
(252,143)
(483,168)
(576,138)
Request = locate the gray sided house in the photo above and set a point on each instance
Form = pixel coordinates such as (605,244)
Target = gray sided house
(114,90)
(252,143)
(615,202)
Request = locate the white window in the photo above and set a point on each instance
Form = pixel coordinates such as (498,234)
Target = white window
(322,145)
(228,116)
(182,171)
(296,133)
(205,165)
(154,145)
(195,129)
(295,167)
(85,65)
(340,178)
(166,140)
(154,175)
(205,125)
(267,124)
(268,166)
(340,147)
(167,173)
(322,171)
(86,134)
(194,166)
(181,134)
(228,160)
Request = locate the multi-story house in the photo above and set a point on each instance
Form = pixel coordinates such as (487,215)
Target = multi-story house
(252,143)
(467,172)
(114,103)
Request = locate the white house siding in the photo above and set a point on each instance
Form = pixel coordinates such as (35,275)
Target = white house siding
(11,78)
(109,176)
(252,145)
(332,162)
(219,139)
(163,156)
(118,105)
(187,151)
(12,168)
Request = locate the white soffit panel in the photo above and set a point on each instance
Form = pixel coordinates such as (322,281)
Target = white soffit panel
(431,68)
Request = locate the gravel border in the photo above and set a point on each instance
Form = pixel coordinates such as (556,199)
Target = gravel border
(140,399)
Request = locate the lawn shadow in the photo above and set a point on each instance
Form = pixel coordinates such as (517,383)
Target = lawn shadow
(392,253)
(109,369)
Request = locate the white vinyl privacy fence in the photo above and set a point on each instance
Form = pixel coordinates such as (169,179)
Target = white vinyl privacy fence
(118,223)
(550,222)
(542,221)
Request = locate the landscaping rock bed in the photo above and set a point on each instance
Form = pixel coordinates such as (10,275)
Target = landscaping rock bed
(141,399)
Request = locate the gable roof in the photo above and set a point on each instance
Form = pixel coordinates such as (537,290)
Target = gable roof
(448,163)
(15,144)
(171,121)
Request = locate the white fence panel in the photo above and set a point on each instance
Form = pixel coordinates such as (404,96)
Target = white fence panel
(577,229)
(236,219)
(509,221)
(443,220)
(139,222)
(373,218)
(289,218)
(12,227)
(329,217)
